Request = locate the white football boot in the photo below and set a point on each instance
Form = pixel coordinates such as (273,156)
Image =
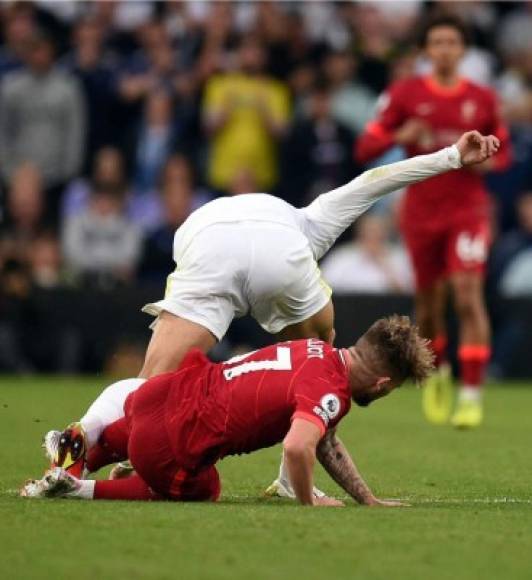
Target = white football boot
(56,482)
(282,488)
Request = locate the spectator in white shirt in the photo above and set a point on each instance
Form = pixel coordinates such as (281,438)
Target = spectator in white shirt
(370,263)
(100,244)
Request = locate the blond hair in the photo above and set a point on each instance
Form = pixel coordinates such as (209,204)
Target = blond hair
(399,350)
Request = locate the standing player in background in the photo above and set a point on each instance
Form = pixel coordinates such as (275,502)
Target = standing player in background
(445,219)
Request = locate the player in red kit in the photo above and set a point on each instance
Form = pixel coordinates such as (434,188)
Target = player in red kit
(445,219)
(178,425)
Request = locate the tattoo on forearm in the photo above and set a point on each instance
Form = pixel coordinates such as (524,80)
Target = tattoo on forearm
(336,460)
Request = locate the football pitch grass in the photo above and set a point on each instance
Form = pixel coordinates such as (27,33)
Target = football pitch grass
(471,496)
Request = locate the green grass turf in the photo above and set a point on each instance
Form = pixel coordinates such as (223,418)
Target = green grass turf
(459,525)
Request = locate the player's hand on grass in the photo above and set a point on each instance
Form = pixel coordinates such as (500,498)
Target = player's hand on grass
(476,148)
(328,502)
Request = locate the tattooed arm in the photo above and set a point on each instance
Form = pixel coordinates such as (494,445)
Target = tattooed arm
(336,460)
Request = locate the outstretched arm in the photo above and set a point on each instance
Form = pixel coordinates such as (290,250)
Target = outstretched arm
(332,212)
(336,460)
(299,448)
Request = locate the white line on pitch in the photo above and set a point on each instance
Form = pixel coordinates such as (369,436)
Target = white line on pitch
(481,500)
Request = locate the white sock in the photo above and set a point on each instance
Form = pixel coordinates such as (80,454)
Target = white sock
(107,408)
(85,490)
(283,474)
(469,393)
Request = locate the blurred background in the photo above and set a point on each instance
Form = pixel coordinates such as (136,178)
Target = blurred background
(112,133)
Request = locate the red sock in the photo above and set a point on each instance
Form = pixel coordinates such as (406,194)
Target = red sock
(111,446)
(473,359)
(439,347)
(131,488)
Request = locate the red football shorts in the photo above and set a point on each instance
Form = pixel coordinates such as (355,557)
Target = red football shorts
(150,452)
(460,246)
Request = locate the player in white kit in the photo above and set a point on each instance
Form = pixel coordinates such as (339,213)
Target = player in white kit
(255,254)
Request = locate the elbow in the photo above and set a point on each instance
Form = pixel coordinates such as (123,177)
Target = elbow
(296,451)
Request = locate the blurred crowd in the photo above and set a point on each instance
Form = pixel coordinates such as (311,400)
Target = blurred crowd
(117,119)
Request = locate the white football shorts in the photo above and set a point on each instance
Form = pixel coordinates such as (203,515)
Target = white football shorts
(227,270)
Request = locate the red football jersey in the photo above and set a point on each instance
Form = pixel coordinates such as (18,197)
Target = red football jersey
(249,402)
(448,112)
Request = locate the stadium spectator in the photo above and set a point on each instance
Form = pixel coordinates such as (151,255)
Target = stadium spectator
(179,169)
(155,140)
(511,277)
(154,66)
(370,263)
(25,320)
(95,69)
(178,201)
(216,36)
(42,120)
(18,27)
(101,246)
(317,155)
(45,261)
(512,256)
(515,81)
(108,169)
(147,209)
(374,44)
(245,114)
(352,104)
(286,38)
(124,17)
(15,287)
(513,35)
(24,215)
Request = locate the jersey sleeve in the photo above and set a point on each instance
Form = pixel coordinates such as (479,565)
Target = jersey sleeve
(503,158)
(377,137)
(320,403)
